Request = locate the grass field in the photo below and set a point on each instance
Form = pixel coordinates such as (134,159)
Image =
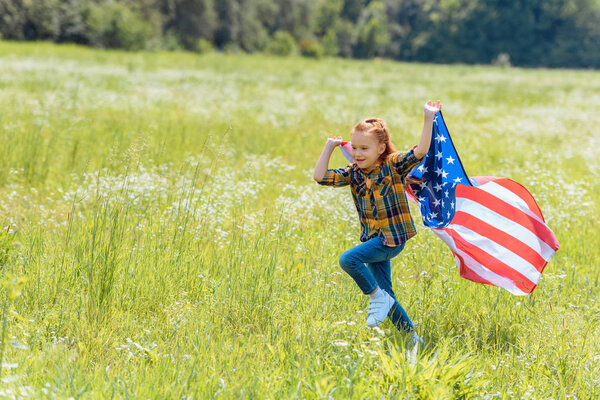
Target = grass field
(161,235)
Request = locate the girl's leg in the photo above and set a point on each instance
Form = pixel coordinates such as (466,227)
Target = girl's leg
(352,261)
(381,271)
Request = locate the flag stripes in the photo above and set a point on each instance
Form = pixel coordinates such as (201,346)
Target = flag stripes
(488,231)
(498,235)
(511,226)
(474,271)
(490,198)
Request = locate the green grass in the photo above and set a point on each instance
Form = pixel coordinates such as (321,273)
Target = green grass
(161,235)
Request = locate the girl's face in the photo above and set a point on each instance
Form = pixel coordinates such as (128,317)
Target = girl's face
(366,151)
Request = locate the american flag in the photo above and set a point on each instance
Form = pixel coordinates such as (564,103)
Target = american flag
(493,226)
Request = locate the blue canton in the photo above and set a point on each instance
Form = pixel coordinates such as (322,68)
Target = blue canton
(440,171)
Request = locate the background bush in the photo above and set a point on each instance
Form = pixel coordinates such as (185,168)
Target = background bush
(118,26)
(282,44)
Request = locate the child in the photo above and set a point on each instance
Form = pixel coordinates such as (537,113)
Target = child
(376,178)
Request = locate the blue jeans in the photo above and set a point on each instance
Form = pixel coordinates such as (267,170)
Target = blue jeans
(376,273)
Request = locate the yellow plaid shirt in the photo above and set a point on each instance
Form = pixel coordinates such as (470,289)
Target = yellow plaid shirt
(379,197)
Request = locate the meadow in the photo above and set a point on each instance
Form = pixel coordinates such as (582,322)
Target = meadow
(161,235)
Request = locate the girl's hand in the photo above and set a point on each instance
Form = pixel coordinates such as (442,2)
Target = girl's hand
(432,108)
(333,141)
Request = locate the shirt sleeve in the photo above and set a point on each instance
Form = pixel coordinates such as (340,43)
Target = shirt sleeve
(403,163)
(336,177)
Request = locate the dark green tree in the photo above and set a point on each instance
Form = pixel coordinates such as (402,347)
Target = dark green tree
(190,21)
(239,25)
(346,35)
(12,19)
(327,15)
(352,9)
(295,17)
(372,31)
(114,25)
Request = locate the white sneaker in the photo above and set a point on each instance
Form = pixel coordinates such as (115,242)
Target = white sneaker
(415,340)
(413,347)
(379,306)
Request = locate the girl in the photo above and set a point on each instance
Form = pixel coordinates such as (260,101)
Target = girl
(376,178)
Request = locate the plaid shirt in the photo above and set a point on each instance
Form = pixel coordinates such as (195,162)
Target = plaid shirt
(379,197)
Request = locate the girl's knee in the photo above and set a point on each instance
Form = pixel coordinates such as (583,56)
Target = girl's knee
(346,261)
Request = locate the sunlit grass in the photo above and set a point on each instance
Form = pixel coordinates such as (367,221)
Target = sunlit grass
(161,235)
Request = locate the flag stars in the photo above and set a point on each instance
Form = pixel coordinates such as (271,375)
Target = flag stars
(444,174)
(439,171)
(436,202)
(438,154)
(450,160)
(440,138)
(438,186)
(457,180)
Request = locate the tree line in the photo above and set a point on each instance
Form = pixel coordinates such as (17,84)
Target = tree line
(532,33)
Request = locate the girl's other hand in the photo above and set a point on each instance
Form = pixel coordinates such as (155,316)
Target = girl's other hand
(333,141)
(432,108)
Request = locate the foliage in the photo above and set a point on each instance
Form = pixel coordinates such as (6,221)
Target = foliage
(550,33)
(114,25)
(310,48)
(190,21)
(282,44)
(330,44)
(372,31)
(203,46)
(345,33)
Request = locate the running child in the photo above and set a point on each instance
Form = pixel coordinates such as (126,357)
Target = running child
(376,179)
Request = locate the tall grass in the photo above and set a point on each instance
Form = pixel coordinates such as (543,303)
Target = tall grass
(161,235)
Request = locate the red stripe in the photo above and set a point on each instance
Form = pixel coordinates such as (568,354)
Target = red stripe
(491,262)
(509,211)
(523,193)
(468,273)
(502,238)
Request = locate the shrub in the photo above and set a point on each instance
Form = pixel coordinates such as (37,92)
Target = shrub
(232,48)
(115,25)
(310,48)
(203,46)
(170,42)
(282,44)
(330,45)
(502,60)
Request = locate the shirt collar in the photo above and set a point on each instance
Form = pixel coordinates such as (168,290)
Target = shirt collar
(373,173)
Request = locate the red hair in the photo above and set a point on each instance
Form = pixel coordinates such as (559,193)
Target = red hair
(377,128)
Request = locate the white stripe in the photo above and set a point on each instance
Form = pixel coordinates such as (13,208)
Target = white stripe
(479,269)
(509,197)
(506,225)
(498,251)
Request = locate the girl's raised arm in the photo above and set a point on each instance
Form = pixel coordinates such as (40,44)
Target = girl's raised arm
(323,162)
(431,109)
